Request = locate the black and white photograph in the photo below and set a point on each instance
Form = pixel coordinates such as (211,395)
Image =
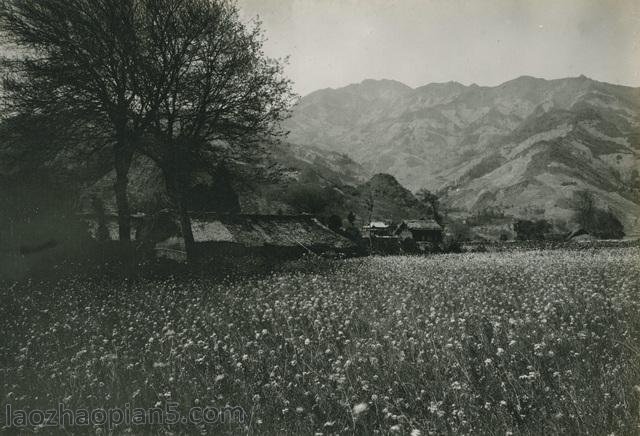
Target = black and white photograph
(320,217)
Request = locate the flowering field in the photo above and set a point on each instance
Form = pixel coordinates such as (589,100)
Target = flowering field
(518,343)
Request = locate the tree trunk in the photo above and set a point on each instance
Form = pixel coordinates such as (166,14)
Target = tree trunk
(122,163)
(177,189)
(123,157)
(185,227)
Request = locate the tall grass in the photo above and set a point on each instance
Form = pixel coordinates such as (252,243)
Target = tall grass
(520,343)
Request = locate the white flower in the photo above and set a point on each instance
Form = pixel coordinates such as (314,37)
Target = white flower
(360,408)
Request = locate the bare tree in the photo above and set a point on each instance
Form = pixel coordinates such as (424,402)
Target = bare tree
(223,99)
(181,81)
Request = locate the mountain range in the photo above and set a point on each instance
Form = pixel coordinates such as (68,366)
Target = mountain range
(523,147)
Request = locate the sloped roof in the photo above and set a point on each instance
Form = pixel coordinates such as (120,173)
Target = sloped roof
(259,230)
(378,225)
(426,224)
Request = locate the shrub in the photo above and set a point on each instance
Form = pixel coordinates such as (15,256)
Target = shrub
(527,230)
(597,222)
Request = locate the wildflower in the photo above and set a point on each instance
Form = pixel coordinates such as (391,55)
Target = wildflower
(360,408)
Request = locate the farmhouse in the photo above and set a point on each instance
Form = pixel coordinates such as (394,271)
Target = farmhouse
(425,230)
(377,229)
(226,234)
(380,238)
(281,236)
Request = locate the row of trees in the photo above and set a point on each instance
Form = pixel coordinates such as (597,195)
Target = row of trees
(598,222)
(183,82)
(593,220)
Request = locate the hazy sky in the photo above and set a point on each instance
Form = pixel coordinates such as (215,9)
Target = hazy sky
(332,43)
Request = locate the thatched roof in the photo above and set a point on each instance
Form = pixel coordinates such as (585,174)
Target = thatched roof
(243,229)
(260,230)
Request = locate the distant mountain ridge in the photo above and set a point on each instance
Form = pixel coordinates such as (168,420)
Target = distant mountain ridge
(524,146)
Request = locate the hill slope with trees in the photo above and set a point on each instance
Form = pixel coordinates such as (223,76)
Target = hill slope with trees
(525,147)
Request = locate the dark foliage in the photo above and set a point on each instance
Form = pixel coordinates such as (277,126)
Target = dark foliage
(528,230)
(334,222)
(311,198)
(597,222)
(431,201)
(460,231)
(351,218)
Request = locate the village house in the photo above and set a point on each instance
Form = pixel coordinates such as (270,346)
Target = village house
(228,235)
(380,237)
(280,236)
(377,229)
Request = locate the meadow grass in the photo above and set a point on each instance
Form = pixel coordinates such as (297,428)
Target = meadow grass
(513,343)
